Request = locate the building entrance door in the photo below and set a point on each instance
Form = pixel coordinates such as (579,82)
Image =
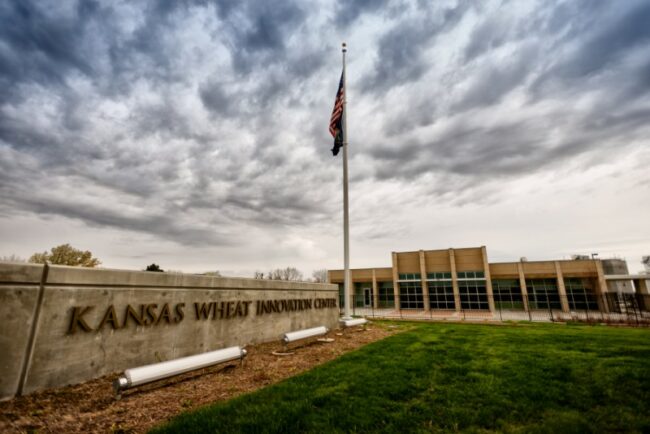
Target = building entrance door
(367,297)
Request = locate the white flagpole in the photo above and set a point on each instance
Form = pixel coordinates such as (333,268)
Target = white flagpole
(346,222)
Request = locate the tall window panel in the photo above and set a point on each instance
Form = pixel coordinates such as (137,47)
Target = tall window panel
(386,294)
(580,294)
(507,294)
(473,293)
(543,294)
(410,295)
(441,295)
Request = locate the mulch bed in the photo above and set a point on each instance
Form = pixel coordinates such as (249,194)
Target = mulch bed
(92,407)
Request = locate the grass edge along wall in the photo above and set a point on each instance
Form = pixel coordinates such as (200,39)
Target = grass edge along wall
(463,279)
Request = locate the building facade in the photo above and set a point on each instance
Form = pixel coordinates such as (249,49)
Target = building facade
(463,279)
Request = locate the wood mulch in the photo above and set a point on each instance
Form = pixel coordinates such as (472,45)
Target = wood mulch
(92,407)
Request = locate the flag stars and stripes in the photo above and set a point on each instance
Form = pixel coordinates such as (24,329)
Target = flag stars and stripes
(336,121)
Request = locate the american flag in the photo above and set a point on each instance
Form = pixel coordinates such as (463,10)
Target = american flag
(336,129)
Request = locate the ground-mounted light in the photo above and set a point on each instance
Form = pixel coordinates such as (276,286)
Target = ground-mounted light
(146,374)
(304,334)
(353,322)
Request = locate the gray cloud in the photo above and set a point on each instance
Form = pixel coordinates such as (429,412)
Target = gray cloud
(489,34)
(168,118)
(257,30)
(348,12)
(495,81)
(41,46)
(215,99)
(615,36)
(400,50)
(510,149)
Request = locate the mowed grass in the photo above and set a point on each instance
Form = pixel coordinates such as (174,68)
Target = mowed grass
(532,378)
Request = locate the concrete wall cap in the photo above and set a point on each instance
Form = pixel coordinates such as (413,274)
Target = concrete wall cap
(65,275)
(20,272)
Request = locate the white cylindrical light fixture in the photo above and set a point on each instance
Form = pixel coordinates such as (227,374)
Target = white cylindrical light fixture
(354,322)
(146,374)
(304,334)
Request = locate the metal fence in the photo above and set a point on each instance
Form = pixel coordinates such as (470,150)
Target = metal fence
(611,308)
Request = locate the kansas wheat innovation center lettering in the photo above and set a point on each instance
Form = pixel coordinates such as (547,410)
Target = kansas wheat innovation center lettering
(153,314)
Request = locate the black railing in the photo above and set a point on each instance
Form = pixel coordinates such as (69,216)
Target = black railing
(611,308)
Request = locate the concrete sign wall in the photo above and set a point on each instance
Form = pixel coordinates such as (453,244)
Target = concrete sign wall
(64,325)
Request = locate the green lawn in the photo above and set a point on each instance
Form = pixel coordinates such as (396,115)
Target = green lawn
(541,378)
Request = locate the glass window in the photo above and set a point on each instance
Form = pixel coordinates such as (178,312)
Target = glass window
(471,275)
(473,294)
(580,294)
(411,296)
(543,294)
(441,295)
(409,276)
(438,276)
(507,294)
(386,294)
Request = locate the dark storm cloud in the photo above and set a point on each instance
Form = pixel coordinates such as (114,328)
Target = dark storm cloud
(489,34)
(605,46)
(257,31)
(511,149)
(48,49)
(45,45)
(348,12)
(493,82)
(20,135)
(472,152)
(279,83)
(215,99)
(164,225)
(131,100)
(464,150)
(41,46)
(23,190)
(161,119)
(400,50)
(399,57)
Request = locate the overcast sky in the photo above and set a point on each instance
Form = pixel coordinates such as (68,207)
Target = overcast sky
(194,134)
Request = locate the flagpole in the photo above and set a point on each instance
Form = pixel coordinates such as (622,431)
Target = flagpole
(346,221)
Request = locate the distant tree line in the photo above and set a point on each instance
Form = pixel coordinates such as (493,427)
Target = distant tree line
(291,273)
(12,258)
(65,254)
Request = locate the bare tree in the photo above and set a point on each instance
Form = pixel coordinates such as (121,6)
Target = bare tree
(12,258)
(258,275)
(319,276)
(289,273)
